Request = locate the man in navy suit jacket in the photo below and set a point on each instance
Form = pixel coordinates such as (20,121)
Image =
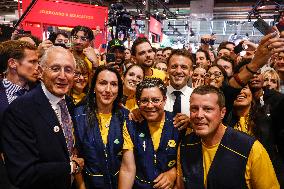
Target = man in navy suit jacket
(34,138)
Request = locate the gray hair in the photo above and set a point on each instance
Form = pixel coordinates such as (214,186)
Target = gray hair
(53,49)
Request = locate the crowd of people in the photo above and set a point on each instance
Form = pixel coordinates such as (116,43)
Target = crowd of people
(72,116)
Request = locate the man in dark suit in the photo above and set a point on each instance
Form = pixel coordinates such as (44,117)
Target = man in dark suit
(19,62)
(37,129)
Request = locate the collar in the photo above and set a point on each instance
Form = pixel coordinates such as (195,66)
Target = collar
(183,90)
(12,88)
(52,98)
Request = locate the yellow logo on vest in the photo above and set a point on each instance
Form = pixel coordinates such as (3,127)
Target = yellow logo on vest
(172,143)
(172,163)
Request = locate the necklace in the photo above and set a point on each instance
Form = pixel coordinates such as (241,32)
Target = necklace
(243,124)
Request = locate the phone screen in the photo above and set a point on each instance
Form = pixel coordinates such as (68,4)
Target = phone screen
(238,48)
(263,26)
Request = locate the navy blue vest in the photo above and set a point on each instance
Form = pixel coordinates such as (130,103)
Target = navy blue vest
(149,163)
(228,166)
(102,162)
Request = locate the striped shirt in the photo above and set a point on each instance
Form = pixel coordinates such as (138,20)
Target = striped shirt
(12,90)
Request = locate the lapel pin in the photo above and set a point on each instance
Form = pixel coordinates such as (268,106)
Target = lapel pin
(56,129)
(116,141)
(142,135)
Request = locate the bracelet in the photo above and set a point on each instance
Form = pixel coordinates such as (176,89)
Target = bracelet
(251,71)
(238,80)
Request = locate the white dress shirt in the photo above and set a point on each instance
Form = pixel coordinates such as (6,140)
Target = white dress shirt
(53,100)
(185,97)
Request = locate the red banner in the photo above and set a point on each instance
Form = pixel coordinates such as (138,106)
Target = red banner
(66,14)
(69,14)
(155,26)
(25,4)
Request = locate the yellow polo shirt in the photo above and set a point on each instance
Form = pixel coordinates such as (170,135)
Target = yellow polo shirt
(78,97)
(243,126)
(155,128)
(131,104)
(157,74)
(104,122)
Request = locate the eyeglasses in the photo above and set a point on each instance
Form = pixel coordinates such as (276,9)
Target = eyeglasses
(82,38)
(78,74)
(215,74)
(57,69)
(146,101)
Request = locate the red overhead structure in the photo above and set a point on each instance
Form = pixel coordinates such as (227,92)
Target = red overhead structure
(66,14)
(155,27)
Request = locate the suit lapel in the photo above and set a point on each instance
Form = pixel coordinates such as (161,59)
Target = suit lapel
(46,111)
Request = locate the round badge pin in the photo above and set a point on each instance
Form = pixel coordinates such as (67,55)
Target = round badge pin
(56,129)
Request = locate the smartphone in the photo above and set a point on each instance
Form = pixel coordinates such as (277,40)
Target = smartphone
(210,42)
(110,57)
(263,26)
(239,48)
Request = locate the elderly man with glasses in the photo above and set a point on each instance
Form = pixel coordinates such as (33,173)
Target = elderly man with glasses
(38,141)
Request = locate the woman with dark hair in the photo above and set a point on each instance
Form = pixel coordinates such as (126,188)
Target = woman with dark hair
(99,124)
(249,117)
(133,75)
(217,77)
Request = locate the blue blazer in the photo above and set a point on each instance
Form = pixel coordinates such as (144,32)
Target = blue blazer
(36,155)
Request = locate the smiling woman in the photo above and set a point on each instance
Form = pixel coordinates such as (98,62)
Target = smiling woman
(249,117)
(99,129)
(133,75)
(150,146)
(81,79)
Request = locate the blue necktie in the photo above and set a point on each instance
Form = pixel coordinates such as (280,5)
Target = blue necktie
(66,125)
